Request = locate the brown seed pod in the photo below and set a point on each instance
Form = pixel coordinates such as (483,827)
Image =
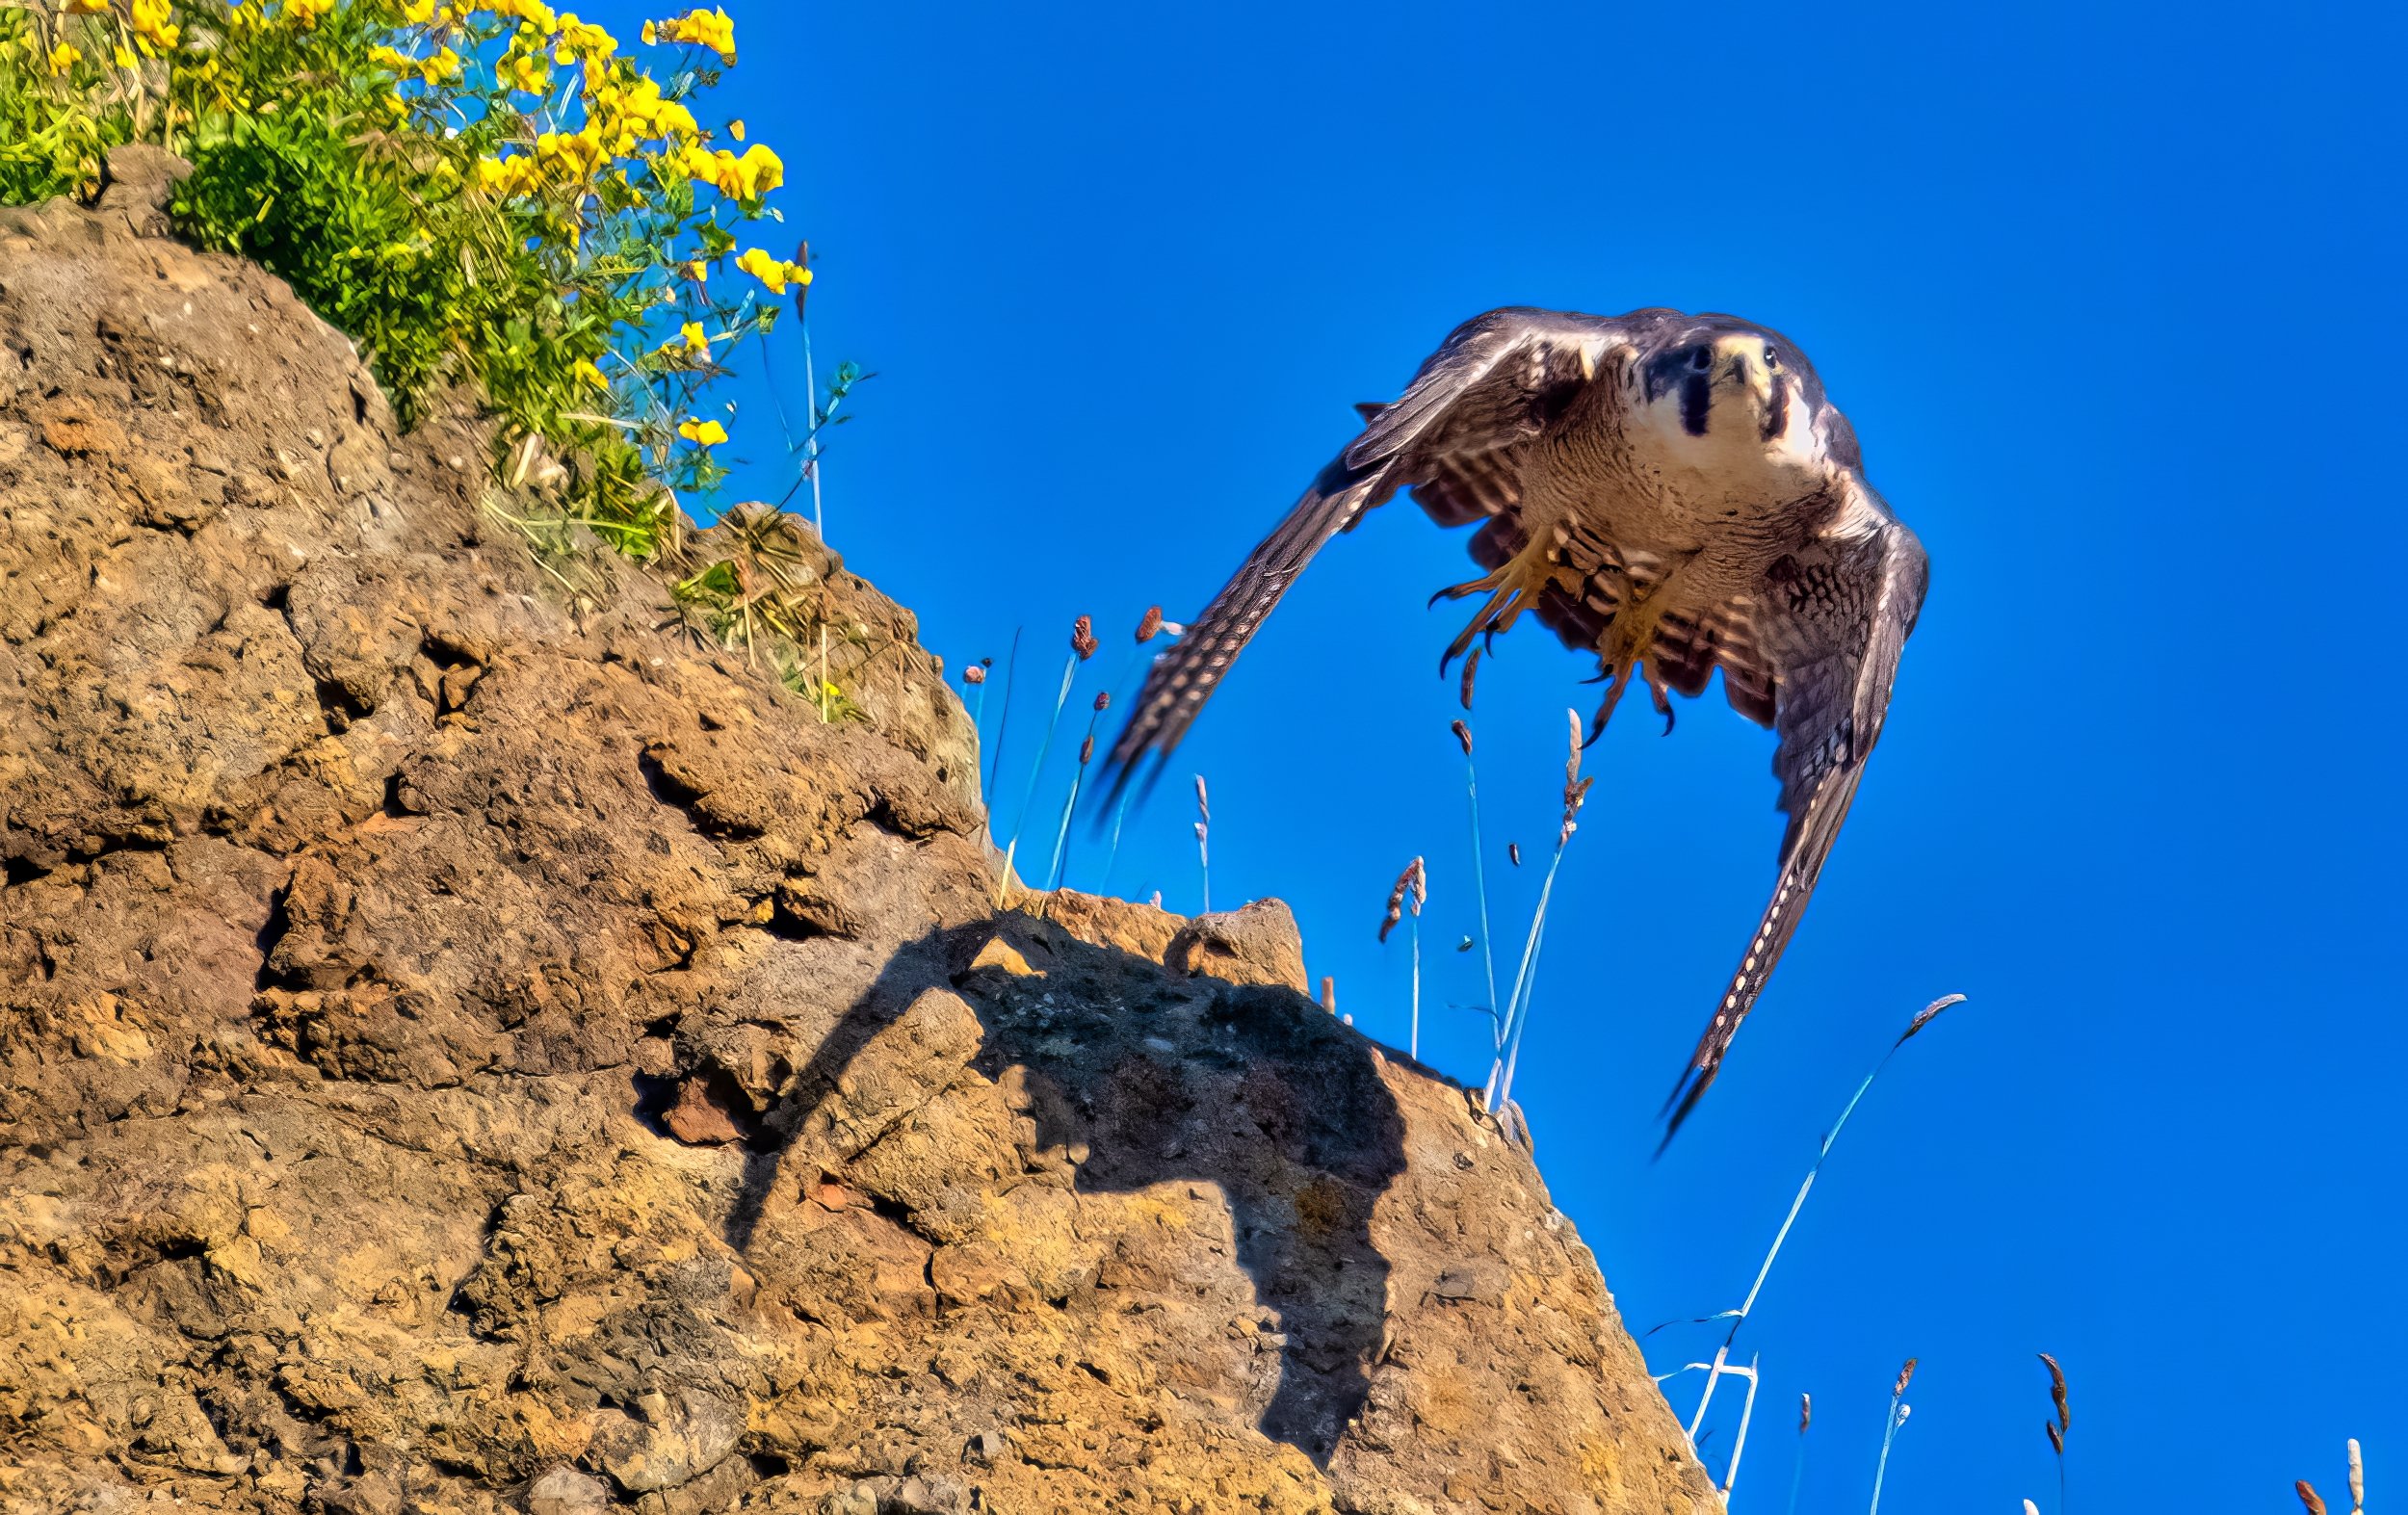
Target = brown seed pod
(1471,672)
(1905,1375)
(1086,750)
(1462,734)
(2056,1438)
(1514,850)
(1083,637)
(2308,1498)
(1104,701)
(974,674)
(1152,623)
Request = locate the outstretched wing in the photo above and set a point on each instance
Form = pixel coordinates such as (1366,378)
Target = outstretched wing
(1498,380)
(1833,619)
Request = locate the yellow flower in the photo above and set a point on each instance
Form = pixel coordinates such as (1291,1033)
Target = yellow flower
(701,432)
(736,128)
(773,273)
(695,342)
(523,71)
(151,23)
(125,58)
(418,12)
(507,177)
(306,13)
(592,374)
(85,7)
(532,12)
(62,58)
(711,29)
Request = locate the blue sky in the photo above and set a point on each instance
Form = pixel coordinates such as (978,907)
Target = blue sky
(2112,295)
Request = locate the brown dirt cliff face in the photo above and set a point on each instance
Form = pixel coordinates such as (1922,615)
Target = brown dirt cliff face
(467,1047)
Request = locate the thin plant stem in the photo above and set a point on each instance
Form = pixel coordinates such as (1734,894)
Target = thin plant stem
(819,518)
(1738,1447)
(1413,1043)
(1738,1317)
(1111,859)
(1889,1435)
(1517,1018)
(1002,723)
(1203,832)
(1797,1470)
(1061,837)
(1479,882)
(1028,796)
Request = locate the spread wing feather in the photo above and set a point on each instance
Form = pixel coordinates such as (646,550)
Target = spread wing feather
(1840,618)
(1496,381)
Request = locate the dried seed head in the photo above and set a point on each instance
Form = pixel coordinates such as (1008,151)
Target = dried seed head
(1408,886)
(1203,805)
(1927,1015)
(2357,1479)
(1420,884)
(1103,701)
(975,674)
(1471,672)
(1152,623)
(2056,1438)
(1514,850)
(1905,1375)
(1462,734)
(1083,637)
(2056,1375)
(1086,750)
(2308,1498)
(1805,1412)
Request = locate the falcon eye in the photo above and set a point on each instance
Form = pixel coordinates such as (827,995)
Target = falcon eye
(1773,359)
(1701,358)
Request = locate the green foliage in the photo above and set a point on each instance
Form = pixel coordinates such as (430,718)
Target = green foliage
(482,192)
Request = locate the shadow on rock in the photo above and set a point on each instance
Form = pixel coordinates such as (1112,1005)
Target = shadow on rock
(1129,1075)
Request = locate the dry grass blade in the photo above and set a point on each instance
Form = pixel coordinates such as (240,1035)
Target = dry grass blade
(2308,1499)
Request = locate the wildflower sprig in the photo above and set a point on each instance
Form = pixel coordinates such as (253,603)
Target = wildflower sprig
(491,191)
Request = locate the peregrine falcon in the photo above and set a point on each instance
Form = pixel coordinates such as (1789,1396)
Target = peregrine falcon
(1670,491)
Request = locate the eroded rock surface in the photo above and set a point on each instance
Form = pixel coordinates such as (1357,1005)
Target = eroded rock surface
(466,1047)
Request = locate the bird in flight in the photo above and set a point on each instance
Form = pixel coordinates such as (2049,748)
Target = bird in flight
(1673,492)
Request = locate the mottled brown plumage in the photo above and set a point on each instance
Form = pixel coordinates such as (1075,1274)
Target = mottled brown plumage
(1670,491)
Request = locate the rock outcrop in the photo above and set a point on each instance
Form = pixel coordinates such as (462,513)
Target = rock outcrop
(467,1046)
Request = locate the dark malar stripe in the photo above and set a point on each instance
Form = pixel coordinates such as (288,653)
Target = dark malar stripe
(1696,398)
(1777,416)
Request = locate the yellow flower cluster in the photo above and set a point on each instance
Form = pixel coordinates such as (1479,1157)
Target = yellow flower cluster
(435,68)
(85,7)
(306,13)
(152,25)
(701,432)
(774,272)
(62,58)
(711,29)
(748,177)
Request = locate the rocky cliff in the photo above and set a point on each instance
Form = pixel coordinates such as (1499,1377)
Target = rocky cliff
(466,1045)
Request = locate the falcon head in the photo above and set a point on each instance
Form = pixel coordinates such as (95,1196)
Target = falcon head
(1723,391)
